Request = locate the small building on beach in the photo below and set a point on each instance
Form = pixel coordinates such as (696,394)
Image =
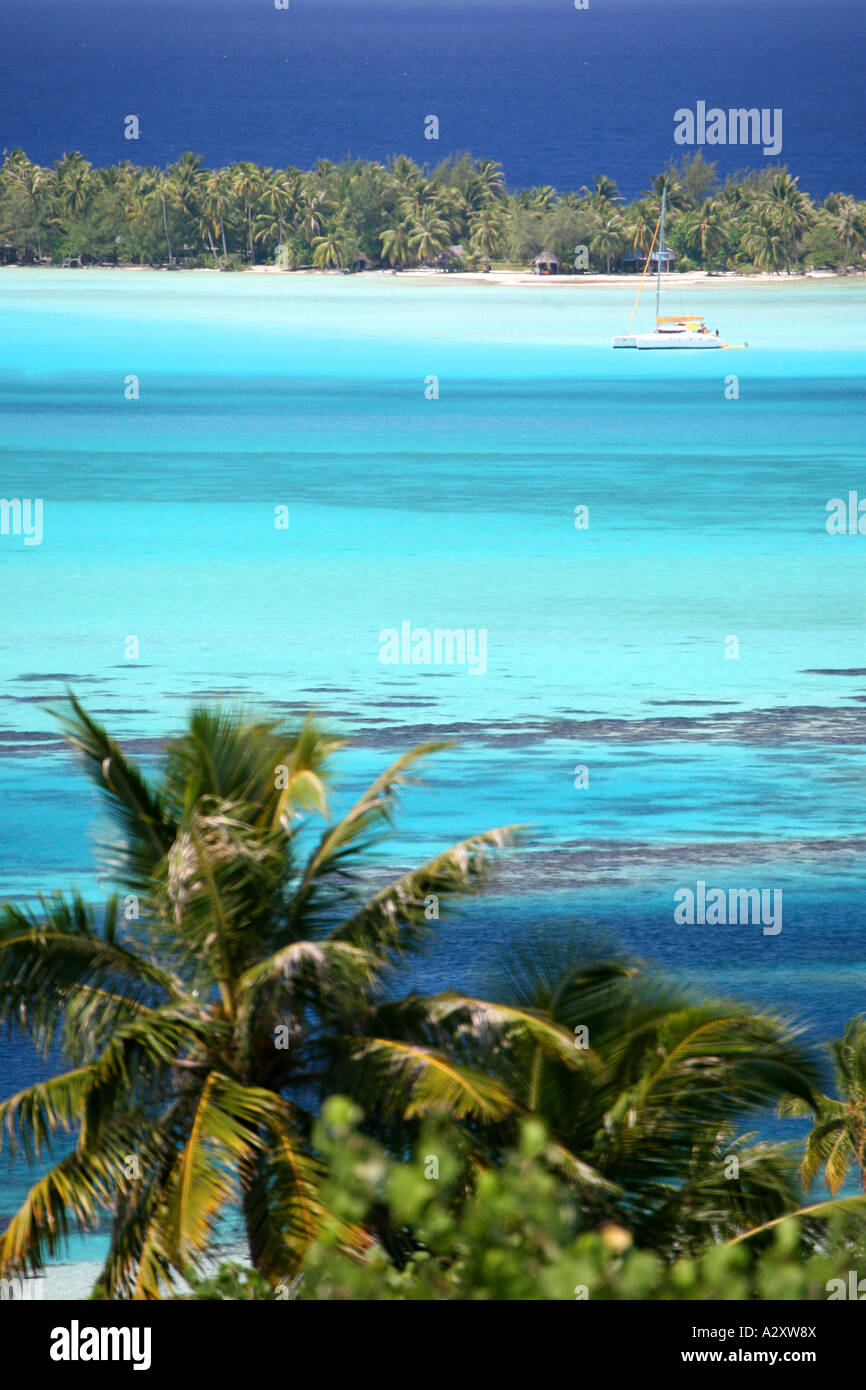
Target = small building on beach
(451,259)
(634,261)
(364,262)
(546,263)
(455,258)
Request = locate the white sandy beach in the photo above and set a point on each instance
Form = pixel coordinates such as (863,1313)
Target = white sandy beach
(515,278)
(509,278)
(74,1281)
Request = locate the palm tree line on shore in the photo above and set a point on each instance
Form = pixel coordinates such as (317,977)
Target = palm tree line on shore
(403,215)
(244,971)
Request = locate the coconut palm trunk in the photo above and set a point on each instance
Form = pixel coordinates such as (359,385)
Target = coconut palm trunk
(165,225)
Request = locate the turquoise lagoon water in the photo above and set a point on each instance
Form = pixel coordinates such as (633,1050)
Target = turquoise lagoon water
(606,647)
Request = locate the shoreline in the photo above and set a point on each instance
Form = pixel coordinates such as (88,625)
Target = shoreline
(506,278)
(73,1280)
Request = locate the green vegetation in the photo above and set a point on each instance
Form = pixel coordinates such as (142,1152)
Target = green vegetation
(516,1236)
(244,974)
(336,214)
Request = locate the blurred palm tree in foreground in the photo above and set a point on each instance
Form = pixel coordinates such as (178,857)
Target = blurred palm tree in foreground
(201,1017)
(656,1113)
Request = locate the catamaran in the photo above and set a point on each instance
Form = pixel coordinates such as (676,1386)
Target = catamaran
(680,331)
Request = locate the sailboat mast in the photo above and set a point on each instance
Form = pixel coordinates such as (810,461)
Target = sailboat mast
(660,250)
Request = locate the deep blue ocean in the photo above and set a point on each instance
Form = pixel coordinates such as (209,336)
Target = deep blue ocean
(556,94)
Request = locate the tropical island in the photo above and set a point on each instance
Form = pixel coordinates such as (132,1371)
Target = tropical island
(458,215)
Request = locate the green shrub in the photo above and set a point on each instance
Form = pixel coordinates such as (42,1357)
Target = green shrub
(514,1236)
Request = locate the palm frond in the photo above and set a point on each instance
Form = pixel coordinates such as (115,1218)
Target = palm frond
(853,1208)
(828,1146)
(229,755)
(352,834)
(140,813)
(485,1025)
(331,976)
(139,1262)
(411,1080)
(282,1200)
(584,1177)
(140,1060)
(224,1135)
(58,948)
(731,1063)
(33,1115)
(396,919)
(75,1191)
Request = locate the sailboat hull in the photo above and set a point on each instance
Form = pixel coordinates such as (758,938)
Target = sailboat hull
(653,341)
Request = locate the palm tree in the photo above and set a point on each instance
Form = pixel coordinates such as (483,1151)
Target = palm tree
(247,182)
(185,182)
(487,185)
(707,226)
(485,231)
(764,240)
(540,198)
(204,1017)
(677,198)
(404,172)
(137,189)
(608,240)
(395,244)
(429,234)
(280,206)
(790,210)
(650,1125)
(218,203)
(450,205)
(639,226)
(326,251)
(37,186)
(603,192)
(837,1140)
(269,229)
(846,221)
(163,192)
(314,207)
(421,196)
(73,182)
